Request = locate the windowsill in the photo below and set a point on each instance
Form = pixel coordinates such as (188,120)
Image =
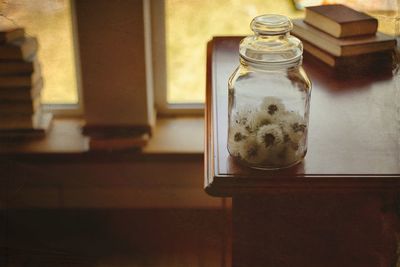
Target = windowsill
(63,173)
(173,138)
(183,135)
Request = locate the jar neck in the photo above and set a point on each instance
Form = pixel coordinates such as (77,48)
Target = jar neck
(278,36)
(281,66)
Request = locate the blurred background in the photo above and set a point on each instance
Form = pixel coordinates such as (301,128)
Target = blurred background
(189,25)
(185,233)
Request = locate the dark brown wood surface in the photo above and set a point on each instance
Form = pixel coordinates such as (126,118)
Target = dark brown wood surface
(315,229)
(172,139)
(353,140)
(113,237)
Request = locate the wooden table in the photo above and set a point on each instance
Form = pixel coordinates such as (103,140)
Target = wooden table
(340,206)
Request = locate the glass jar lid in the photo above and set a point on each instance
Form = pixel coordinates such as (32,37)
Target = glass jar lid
(271,42)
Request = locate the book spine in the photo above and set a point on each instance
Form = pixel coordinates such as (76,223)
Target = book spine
(16,81)
(10,53)
(19,107)
(16,68)
(323,45)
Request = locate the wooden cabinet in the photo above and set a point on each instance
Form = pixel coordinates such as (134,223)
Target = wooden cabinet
(341,206)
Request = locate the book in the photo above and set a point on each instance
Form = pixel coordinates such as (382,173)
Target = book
(19,67)
(20,121)
(38,131)
(119,143)
(19,107)
(372,61)
(106,131)
(21,49)
(20,80)
(349,46)
(11,34)
(23,93)
(340,20)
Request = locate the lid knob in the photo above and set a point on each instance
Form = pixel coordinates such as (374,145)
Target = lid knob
(272,42)
(271,24)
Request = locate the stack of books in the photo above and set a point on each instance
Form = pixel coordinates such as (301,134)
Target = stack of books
(20,86)
(116,138)
(345,39)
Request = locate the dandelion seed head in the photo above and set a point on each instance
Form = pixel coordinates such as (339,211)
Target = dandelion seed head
(293,125)
(267,134)
(251,151)
(258,119)
(270,135)
(298,127)
(242,114)
(272,105)
(237,135)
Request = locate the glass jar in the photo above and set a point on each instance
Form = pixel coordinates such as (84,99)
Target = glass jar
(269,97)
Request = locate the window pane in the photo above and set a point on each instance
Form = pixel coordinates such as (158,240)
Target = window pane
(50,22)
(190,24)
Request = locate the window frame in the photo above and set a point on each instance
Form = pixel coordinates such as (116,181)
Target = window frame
(158,52)
(158,32)
(66,109)
(159,68)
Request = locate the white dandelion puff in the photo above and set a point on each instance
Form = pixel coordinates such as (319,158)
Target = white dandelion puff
(271,141)
(286,129)
(258,119)
(293,126)
(242,114)
(251,151)
(273,105)
(236,136)
(270,136)
(267,135)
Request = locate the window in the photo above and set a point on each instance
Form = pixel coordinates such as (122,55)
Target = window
(50,21)
(191,24)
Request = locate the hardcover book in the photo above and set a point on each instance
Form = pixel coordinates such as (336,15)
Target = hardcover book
(349,46)
(21,49)
(19,67)
(118,142)
(8,35)
(38,131)
(20,80)
(340,20)
(19,107)
(23,93)
(20,121)
(372,61)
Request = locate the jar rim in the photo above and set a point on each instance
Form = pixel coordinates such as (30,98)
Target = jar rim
(271,24)
(273,65)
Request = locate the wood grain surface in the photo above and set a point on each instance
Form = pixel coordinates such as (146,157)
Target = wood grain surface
(353,140)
